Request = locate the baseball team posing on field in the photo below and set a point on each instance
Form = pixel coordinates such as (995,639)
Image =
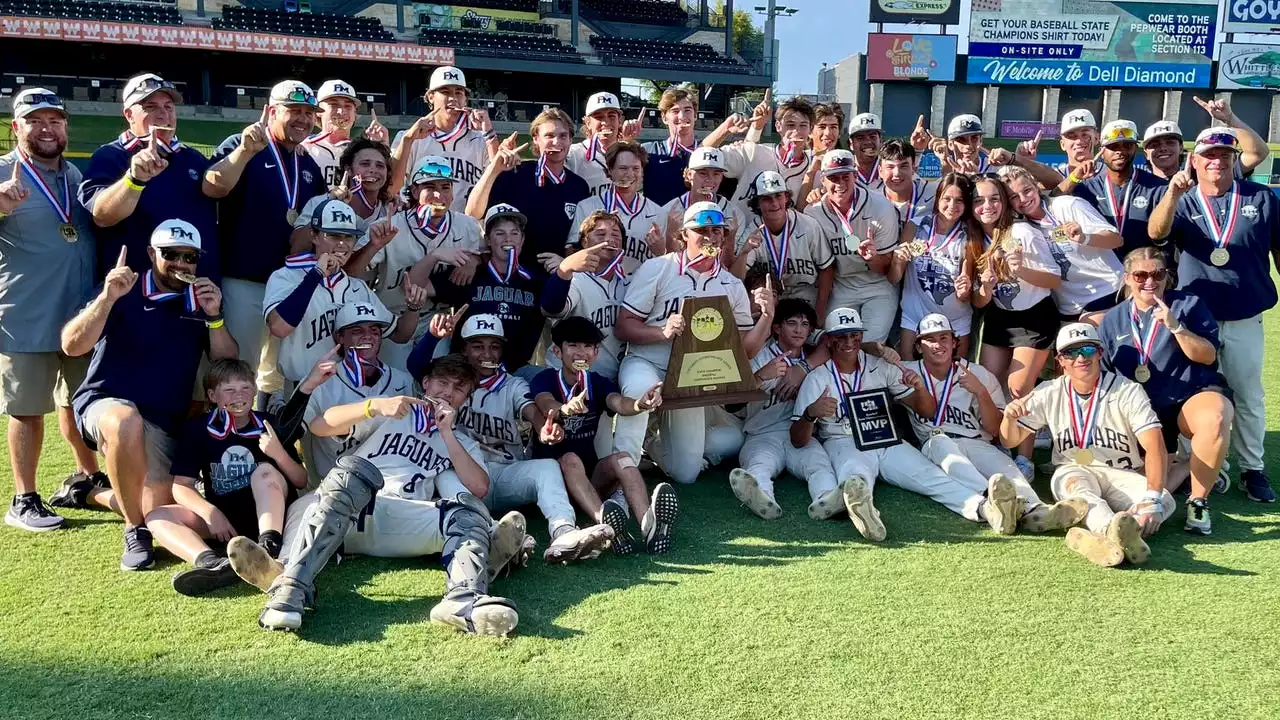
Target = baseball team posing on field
(450,333)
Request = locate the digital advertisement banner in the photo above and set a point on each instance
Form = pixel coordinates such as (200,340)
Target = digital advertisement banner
(1255,16)
(1082,42)
(449,16)
(934,12)
(1249,66)
(911,57)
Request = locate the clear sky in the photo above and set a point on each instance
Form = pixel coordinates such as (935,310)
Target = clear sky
(822,31)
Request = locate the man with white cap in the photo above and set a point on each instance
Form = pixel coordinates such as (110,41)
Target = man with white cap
(146,176)
(790,246)
(649,320)
(302,298)
(625,161)
(1123,193)
(1107,445)
(1078,138)
(1162,146)
(1227,230)
(792,158)
(962,150)
(339,108)
(957,438)
(46,276)
(261,194)
(603,125)
(147,335)
(866,136)
(451,129)
(823,405)
(702,178)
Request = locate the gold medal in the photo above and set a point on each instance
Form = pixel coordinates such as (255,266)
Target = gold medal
(291,217)
(1142,373)
(1083,457)
(1220,257)
(69,232)
(1010,243)
(852,242)
(915,248)
(185,277)
(1058,234)
(935,432)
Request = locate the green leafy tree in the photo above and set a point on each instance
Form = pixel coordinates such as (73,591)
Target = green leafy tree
(746,36)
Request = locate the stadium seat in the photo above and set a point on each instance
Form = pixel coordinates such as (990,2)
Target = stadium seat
(662,54)
(144,13)
(308,24)
(640,12)
(499,44)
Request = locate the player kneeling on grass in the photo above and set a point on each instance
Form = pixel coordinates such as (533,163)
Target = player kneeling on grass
(378,500)
(768,449)
(230,478)
(576,398)
(1102,427)
(957,437)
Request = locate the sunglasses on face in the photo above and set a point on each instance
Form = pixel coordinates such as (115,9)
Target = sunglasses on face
(1142,276)
(1082,351)
(190,257)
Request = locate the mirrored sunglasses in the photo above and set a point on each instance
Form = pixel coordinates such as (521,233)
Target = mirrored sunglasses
(1080,351)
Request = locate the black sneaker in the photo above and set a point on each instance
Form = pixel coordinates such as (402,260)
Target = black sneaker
(1257,486)
(197,581)
(101,480)
(28,512)
(138,554)
(74,493)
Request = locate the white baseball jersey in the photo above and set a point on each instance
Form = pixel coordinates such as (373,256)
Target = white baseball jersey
(410,460)
(491,415)
(313,336)
(1124,412)
(875,373)
(659,286)
(322,452)
(962,417)
(1088,273)
(588,163)
(1017,294)
(466,149)
(734,213)
(410,244)
(643,214)
(929,285)
(870,212)
(598,300)
(920,204)
(807,253)
(326,153)
(746,160)
(773,413)
(362,223)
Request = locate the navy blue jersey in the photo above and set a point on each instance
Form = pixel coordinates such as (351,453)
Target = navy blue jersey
(664,174)
(549,208)
(1133,203)
(579,430)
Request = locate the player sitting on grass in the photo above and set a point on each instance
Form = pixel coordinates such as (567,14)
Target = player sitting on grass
(576,398)
(230,477)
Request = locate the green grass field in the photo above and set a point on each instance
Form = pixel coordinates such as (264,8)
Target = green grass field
(744,619)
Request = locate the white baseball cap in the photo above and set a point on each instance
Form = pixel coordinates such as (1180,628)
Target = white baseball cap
(837,162)
(934,323)
(175,233)
(1077,334)
(864,122)
(292,92)
(962,125)
(335,217)
(141,87)
(769,183)
(337,88)
(1217,137)
(1119,131)
(603,101)
(703,214)
(1076,119)
(433,167)
(707,157)
(446,76)
(503,210)
(842,321)
(33,99)
(1161,128)
(355,313)
(482,325)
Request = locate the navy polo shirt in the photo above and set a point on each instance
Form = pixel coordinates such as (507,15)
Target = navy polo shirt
(149,354)
(1146,193)
(174,193)
(1242,288)
(253,230)
(1174,377)
(664,175)
(549,208)
(579,430)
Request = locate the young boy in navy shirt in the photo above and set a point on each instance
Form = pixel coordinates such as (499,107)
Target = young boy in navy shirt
(576,399)
(231,476)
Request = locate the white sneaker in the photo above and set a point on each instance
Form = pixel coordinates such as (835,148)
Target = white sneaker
(865,517)
(747,489)
(579,544)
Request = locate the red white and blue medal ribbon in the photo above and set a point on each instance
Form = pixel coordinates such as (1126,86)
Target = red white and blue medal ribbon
(63,209)
(221,425)
(424,222)
(353,368)
(686,262)
(871,176)
(782,250)
(457,131)
(1048,220)
(131,142)
(952,235)
(983,163)
(357,189)
(494,382)
(152,292)
(674,146)
(846,219)
(307,260)
(290,185)
(948,384)
(1144,341)
(842,385)
(1221,234)
(593,147)
(583,381)
(613,201)
(513,269)
(789,156)
(424,421)
(1118,211)
(615,266)
(1083,419)
(776,349)
(544,173)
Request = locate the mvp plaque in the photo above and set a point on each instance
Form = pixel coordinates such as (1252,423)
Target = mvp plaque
(708,365)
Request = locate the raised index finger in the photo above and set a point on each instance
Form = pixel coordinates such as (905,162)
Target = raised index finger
(1187,166)
(461,311)
(768,95)
(17,175)
(920,123)
(263,120)
(1035,141)
(124,251)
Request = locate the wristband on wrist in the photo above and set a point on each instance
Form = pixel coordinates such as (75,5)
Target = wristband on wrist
(368,408)
(215,324)
(133,183)
(1072,177)
(491,135)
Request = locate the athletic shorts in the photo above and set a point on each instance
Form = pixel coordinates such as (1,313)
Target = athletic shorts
(555,452)
(35,383)
(159,446)
(1036,327)
(1169,414)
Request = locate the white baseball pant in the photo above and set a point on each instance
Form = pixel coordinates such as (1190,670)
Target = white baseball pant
(765,455)
(903,466)
(523,482)
(1106,489)
(397,527)
(971,463)
(878,311)
(1240,359)
(242,311)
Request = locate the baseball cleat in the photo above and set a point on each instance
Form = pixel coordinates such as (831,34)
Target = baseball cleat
(252,563)
(747,489)
(865,517)
(1058,516)
(656,525)
(283,620)
(615,516)
(510,545)
(1125,532)
(1003,507)
(1096,548)
(476,614)
(579,544)
(1198,517)
(828,506)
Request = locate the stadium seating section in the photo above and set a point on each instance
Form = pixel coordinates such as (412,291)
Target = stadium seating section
(514,5)
(145,13)
(308,24)
(503,44)
(658,53)
(640,12)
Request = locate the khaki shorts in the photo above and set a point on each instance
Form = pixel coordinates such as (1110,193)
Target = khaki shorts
(160,447)
(33,383)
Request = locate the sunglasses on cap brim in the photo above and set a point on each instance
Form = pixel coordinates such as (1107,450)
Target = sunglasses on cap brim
(39,99)
(296,97)
(434,171)
(1218,140)
(707,218)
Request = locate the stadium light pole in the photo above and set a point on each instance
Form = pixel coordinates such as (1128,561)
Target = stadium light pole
(771,13)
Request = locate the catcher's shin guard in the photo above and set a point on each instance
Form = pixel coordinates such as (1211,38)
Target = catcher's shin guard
(466,605)
(347,489)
